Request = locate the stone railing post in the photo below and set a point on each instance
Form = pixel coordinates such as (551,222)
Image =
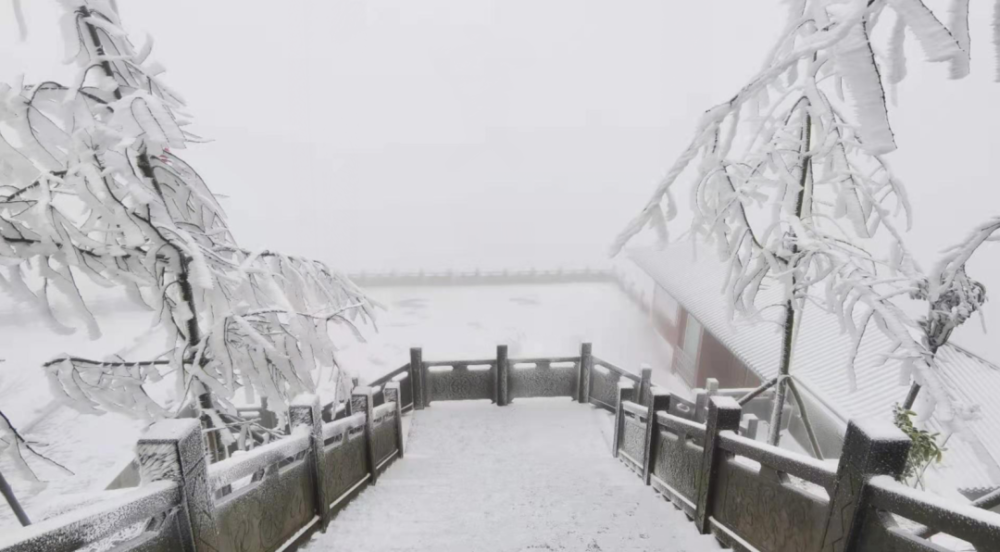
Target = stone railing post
(645,384)
(361,401)
(871,447)
(392,394)
(751,430)
(626,392)
(503,376)
(304,412)
(417,380)
(723,415)
(700,406)
(583,373)
(659,400)
(174,450)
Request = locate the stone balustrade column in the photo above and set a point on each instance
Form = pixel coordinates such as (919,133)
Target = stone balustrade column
(659,401)
(392,394)
(361,401)
(305,412)
(583,373)
(871,447)
(417,380)
(503,376)
(626,392)
(723,415)
(174,450)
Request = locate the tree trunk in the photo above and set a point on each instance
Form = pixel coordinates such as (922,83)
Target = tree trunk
(203,395)
(781,389)
(774,431)
(8,494)
(911,395)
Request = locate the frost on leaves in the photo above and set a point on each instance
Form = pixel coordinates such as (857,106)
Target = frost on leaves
(791,186)
(93,188)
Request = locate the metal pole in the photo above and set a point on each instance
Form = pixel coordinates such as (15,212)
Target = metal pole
(8,494)
(774,429)
(805,419)
(986,502)
(911,396)
(757,392)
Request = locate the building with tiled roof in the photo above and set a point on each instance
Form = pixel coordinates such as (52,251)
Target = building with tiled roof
(684,295)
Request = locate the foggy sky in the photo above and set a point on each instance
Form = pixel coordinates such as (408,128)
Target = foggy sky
(476,133)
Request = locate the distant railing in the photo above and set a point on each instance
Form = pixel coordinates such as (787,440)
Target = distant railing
(481,277)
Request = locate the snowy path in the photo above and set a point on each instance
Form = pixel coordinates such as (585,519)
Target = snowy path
(536,475)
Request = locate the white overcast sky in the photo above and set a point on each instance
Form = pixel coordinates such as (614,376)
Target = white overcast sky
(498,133)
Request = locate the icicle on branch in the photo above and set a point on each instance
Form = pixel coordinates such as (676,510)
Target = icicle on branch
(96,190)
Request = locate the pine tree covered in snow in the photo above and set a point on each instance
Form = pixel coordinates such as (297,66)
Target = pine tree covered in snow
(792,185)
(92,188)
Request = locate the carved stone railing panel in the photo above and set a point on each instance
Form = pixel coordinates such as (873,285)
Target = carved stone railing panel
(401,375)
(767,512)
(345,463)
(542,379)
(264,515)
(459,382)
(603,387)
(633,442)
(385,433)
(678,464)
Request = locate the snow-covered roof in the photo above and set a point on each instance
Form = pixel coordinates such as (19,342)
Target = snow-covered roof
(695,280)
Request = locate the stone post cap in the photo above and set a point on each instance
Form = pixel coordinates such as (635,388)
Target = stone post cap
(170,429)
(724,402)
(391,385)
(879,430)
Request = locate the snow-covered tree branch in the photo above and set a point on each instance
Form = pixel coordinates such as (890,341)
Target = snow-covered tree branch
(791,183)
(95,189)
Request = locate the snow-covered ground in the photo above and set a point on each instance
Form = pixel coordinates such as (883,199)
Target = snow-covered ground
(537,475)
(448,322)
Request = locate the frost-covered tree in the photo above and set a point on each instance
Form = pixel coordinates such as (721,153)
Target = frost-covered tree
(91,187)
(792,185)
(16,449)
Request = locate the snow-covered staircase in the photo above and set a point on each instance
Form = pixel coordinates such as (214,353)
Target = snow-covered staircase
(537,475)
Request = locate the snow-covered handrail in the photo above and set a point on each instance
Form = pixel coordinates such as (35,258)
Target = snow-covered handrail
(620,371)
(391,376)
(676,423)
(635,409)
(547,360)
(343,425)
(435,363)
(805,467)
(72,530)
(227,471)
(383,411)
(977,526)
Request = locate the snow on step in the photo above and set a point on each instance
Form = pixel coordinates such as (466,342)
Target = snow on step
(536,475)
